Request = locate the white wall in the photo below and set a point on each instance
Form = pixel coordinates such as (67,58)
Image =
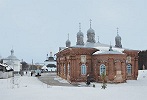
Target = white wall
(15,65)
(52,69)
(49,62)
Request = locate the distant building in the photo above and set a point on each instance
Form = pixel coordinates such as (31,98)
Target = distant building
(93,58)
(50,63)
(142,61)
(13,62)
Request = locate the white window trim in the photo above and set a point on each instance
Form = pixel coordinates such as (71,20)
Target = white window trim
(129,69)
(102,65)
(83,69)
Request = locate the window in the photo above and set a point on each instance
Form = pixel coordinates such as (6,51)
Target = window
(102,69)
(83,69)
(64,69)
(129,68)
(68,69)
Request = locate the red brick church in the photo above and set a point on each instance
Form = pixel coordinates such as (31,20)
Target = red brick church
(93,58)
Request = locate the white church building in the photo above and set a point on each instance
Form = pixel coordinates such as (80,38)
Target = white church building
(50,63)
(13,62)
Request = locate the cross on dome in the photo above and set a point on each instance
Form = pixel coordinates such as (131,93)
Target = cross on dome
(117,30)
(90,23)
(68,36)
(79,26)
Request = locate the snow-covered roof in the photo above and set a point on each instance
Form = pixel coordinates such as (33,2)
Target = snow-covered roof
(103,48)
(1,64)
(98,44)
(6,66)
(12,57)
(107,52)
(62,48)
(44,67)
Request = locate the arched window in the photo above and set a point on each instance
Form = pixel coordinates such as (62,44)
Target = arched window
(64,69)
(68,69)
(83,69)
(129,69)
(102,69)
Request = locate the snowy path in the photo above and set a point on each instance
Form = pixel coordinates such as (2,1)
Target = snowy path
(30,88)
(53,80)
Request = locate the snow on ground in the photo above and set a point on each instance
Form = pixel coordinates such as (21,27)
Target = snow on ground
(30,88)
(60,80)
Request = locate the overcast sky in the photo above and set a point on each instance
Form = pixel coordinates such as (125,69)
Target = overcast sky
(34,28)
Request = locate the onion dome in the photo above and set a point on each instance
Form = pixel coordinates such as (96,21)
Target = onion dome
(118,40)
(12,52)
(90,35)
(79,33)
(90,31)
(68,43)
(12,57)
(80,36)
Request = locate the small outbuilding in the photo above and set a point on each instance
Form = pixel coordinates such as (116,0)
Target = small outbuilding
(5,71)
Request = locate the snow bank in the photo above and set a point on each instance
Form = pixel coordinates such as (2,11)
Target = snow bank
(142,74)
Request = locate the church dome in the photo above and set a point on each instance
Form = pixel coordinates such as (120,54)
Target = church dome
(91,35)
(79,33)
(12,51)
(80,36)
(117,37)
(90,31)
(118,40)
(68,43)
(12,57)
